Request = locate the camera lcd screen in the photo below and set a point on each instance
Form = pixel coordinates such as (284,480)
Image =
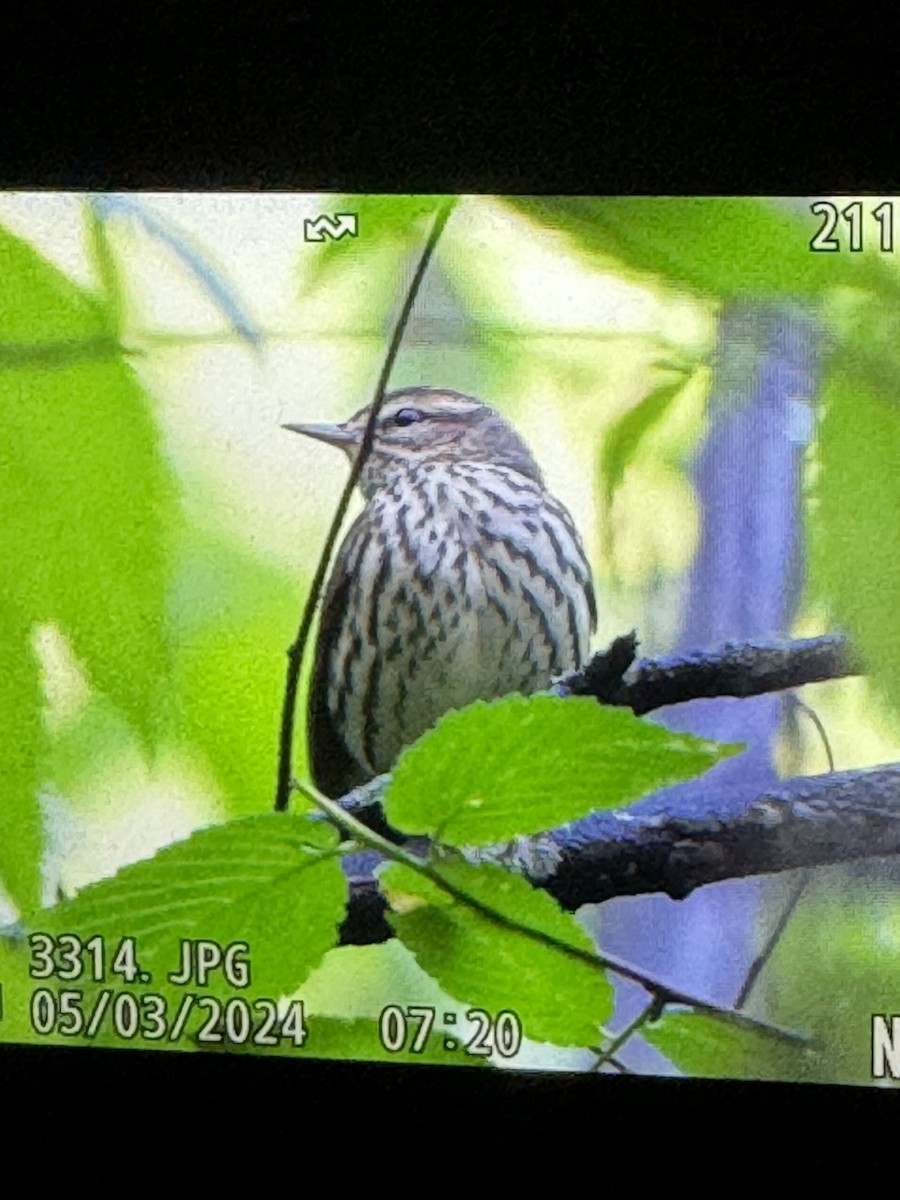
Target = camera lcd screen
(453,630)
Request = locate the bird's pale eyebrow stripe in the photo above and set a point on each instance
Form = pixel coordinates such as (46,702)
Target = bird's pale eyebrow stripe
(443,415)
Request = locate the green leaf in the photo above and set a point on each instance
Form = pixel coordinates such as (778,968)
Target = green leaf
(707,1047)
(559,997)
(855,534)
(88,500)
(522,765)
(862,342)
(38,304)
(272,881)
(361,981)
(384,222)
(624,438)
(719,247)
(22,749)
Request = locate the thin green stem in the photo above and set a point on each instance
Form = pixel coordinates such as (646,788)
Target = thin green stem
(297,650)
(607,1054)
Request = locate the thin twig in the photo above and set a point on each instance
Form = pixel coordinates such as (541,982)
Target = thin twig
(771,942)
(663,994)
(607,1055)
(296,652)
(803,707)
(98,348)
(800,884)
(446,329)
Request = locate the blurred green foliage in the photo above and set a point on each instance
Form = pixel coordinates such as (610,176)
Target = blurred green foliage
(624,440)
(720,247)
(23,744)
(388,225)
(234,613)
(854,525)
(835,967)
(108,270)
(88,506)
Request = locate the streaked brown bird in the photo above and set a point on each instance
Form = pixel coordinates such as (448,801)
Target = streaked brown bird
(462,579)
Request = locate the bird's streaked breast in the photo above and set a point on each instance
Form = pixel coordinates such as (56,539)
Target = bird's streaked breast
(466,581)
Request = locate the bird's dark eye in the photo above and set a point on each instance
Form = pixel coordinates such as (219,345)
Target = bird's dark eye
(407,416)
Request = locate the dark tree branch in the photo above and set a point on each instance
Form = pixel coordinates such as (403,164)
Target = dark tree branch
(739,669)
(365,923)
(805,822)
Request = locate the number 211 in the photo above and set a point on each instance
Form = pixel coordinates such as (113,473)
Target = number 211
(825,239)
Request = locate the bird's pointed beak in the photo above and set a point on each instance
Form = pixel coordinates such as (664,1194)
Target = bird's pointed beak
(334,435)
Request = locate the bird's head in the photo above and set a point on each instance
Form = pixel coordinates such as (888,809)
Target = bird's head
(420,425)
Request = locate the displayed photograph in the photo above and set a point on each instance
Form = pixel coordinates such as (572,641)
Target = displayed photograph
(456,630)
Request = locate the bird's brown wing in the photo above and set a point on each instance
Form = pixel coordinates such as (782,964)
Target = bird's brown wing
(334,770)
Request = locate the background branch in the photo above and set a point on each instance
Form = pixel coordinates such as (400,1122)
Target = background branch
(739,669)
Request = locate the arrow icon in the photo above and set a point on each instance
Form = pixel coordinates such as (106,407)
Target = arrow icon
(319,229)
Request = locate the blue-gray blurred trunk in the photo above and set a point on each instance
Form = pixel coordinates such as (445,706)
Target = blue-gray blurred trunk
(745,583)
